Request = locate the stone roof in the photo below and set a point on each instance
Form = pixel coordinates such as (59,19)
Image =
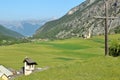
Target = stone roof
(29,61)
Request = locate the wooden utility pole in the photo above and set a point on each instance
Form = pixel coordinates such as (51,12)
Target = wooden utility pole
(106,28)
(106,25)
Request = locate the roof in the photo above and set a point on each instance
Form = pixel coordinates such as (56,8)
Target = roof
(1,74)
(5,71)
(29,61)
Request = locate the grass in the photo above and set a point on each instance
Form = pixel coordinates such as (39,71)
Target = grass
(71,59)
(100,68)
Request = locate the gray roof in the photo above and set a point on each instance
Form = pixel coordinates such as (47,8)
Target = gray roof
(29,61)
(5,71)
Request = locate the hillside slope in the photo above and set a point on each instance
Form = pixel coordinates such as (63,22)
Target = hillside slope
(80,21)
(8,34)
(24,27)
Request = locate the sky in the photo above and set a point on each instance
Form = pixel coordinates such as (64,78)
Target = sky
(35,9)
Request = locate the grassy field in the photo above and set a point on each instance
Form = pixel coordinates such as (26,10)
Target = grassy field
(71,59)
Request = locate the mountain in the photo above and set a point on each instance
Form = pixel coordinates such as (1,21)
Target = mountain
(8,34)
(80,21)
(24,27)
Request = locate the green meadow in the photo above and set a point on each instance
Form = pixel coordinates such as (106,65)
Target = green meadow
(70,59)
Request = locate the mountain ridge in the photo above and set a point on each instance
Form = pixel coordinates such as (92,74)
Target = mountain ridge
(80,21)
(8,34)
(25,27)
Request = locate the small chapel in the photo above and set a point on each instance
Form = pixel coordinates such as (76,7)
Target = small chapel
(29,66)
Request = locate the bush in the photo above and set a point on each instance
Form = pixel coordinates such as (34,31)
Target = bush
(114,49)
(117,29)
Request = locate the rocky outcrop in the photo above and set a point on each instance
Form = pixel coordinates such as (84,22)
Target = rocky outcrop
(80,20)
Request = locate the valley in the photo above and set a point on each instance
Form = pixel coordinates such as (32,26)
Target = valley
(67,47)
(70,59)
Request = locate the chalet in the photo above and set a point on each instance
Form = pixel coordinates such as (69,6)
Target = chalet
(5,73)
(29,66)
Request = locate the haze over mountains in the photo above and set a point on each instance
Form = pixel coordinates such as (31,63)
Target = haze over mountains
(25,27)
(77,22)
(80,21)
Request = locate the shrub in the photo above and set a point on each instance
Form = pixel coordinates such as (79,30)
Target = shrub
(114,49)
(117,29)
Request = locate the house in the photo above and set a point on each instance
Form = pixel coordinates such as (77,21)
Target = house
(5,73)
(29,66)
(3,76)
